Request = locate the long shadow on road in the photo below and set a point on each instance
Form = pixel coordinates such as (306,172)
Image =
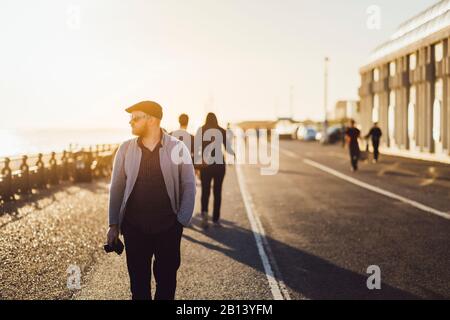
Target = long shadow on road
(307,275)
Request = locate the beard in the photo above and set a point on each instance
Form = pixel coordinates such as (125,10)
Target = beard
(140,132)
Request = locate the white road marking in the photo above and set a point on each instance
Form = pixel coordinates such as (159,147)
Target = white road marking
(277,286)
(367,186)
(288,153)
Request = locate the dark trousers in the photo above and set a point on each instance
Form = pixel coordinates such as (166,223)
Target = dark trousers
(375,144)
(354,156)
(140,249)
(216,173)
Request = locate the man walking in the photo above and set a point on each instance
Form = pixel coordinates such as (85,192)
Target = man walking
(375,133)
(352,135)
(151,199)
(182,133)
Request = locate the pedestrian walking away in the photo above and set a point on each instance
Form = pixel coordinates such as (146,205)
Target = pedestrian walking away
(352,135)
(212,165)
(375,133)
(183,135)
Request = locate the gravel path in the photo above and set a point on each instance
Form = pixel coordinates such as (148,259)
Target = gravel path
(39,240)
(66,226)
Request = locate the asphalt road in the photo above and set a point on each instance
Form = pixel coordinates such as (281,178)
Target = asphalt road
(325,231)
(304,233)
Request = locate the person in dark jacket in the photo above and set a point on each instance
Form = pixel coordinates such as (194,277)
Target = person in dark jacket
(375,133)
(352,135)
(212,167)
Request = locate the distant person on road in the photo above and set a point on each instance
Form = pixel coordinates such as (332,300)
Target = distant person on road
(151,199)
(182,133)
(213,165)
(343,129)
(375,133)
(352,135)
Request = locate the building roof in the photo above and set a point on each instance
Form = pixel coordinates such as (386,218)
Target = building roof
(429,21)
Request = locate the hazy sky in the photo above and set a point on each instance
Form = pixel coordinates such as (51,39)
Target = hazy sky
(80,63)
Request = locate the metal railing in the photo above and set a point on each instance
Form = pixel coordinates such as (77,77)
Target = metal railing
(20,175)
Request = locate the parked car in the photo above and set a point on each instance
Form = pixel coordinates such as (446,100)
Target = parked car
(307,133)
(286,128)
(334,135)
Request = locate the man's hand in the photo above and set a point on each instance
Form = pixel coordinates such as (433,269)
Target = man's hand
(113,234)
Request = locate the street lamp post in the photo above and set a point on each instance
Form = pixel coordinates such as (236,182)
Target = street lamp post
(325,102)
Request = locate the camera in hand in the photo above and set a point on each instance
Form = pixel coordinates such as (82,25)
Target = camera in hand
(116,247)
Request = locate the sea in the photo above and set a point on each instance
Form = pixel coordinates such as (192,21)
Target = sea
(16,142)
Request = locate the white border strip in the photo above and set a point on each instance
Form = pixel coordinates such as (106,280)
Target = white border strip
(278,287)
(367,186)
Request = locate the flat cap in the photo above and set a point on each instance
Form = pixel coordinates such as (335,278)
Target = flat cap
(149,107)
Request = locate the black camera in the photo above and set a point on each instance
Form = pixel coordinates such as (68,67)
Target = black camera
(117,247)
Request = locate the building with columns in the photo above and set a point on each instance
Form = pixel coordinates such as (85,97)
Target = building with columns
(347,109)
(405,87)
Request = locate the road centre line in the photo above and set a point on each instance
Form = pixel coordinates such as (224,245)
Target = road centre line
(370,187)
